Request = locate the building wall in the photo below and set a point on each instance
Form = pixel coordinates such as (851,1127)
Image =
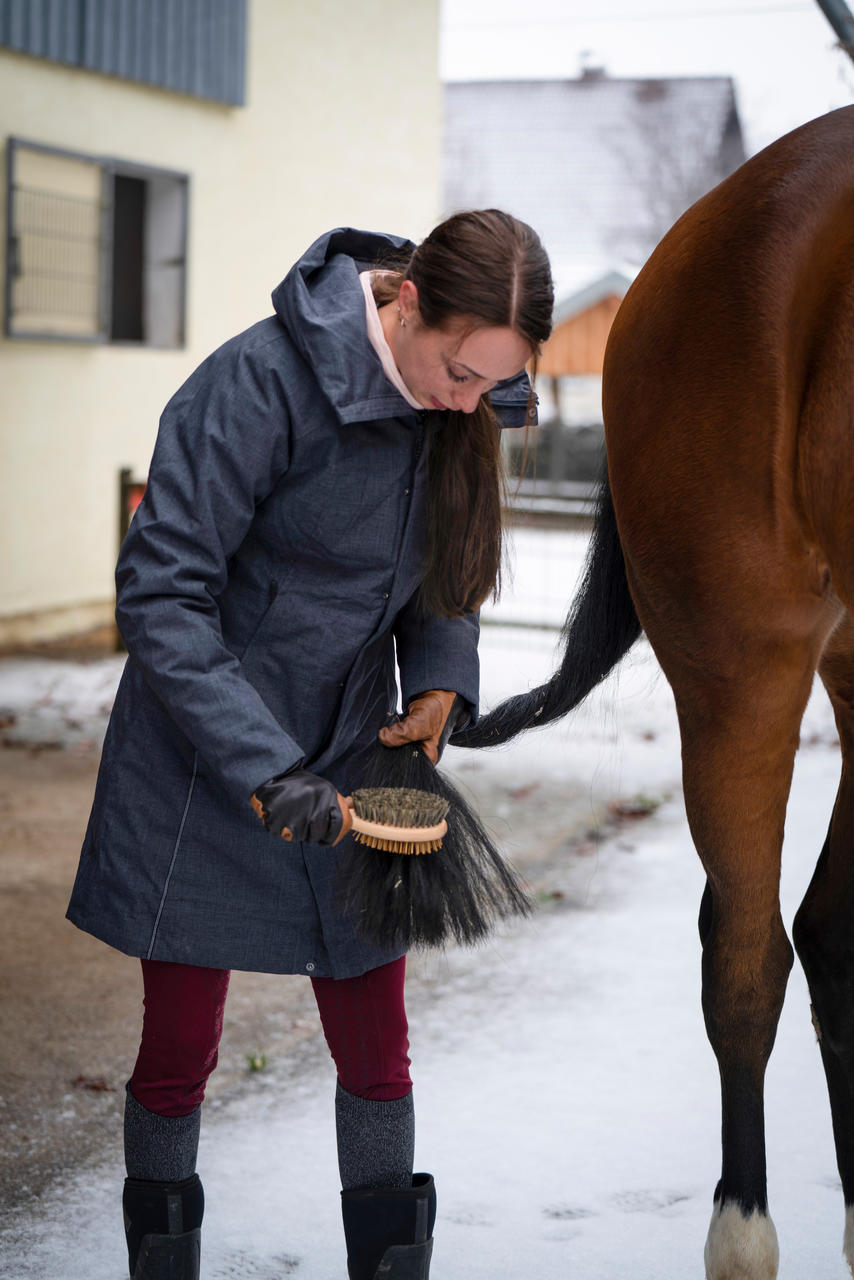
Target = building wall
(341,126)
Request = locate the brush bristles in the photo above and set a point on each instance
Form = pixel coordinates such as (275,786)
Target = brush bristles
(398,846)
(399,807)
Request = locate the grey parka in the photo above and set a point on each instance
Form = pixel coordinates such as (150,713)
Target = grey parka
(268,576)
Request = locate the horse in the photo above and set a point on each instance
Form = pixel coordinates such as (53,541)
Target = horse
(725,533)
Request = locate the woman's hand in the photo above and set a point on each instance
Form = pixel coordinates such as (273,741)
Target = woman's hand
(428,720)
(300,805)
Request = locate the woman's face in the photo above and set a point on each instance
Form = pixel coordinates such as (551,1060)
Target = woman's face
(451,368)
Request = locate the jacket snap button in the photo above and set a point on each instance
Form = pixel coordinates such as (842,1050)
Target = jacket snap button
(310,966)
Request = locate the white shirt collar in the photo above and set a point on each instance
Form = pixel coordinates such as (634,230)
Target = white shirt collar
(378,341)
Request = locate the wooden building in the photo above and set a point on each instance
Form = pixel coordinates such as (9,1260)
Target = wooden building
(582,322)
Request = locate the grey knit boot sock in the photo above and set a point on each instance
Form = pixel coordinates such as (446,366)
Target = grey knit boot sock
(160,1148)
(376,1141)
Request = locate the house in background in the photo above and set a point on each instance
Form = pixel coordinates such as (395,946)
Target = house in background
(601,167)
(165,165)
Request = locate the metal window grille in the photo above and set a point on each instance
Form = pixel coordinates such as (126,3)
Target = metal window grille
(55,252)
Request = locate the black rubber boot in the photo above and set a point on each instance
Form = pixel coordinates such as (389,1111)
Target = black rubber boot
(163,1227)
(389,1230)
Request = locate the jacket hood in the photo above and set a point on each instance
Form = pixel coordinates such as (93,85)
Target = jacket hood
(321,304)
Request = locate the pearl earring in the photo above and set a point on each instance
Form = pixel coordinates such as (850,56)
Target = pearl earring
(401,318)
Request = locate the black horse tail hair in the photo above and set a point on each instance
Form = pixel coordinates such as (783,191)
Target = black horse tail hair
(601,627)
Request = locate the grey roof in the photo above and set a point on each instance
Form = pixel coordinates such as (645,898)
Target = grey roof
(600,167)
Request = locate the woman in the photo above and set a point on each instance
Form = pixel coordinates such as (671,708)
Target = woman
(325,490)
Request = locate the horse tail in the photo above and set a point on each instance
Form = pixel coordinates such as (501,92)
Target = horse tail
(601,627)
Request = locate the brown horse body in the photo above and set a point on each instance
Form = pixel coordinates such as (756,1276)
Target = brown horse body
(729,418)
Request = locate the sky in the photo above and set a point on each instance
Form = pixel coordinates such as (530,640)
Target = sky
(780,53)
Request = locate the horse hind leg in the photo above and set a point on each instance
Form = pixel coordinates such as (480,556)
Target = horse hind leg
(739,738)
(823,930)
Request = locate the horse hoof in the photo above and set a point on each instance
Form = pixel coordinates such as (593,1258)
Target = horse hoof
(741,1246)
(848,1241)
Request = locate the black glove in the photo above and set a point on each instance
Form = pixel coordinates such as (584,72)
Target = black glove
(300,806)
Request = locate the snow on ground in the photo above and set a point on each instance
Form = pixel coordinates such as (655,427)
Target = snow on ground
(57,704)
(566,1095)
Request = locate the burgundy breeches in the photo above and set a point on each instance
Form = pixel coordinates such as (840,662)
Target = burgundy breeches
(363,1018)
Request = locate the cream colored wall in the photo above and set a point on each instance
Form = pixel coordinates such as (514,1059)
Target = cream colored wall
(341,126)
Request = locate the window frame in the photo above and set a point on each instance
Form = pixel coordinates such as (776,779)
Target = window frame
(110,167)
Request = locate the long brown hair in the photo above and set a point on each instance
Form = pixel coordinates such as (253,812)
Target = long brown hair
(490,269)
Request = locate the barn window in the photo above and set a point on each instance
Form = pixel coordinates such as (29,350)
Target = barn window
(95,248)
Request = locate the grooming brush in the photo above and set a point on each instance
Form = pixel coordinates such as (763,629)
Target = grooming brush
(399,820)
(456,891)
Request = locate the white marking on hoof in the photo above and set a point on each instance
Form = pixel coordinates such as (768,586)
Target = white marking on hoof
(848,1239)
(739,1247)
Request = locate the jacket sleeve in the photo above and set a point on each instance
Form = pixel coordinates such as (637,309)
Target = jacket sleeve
(222,445)
(438,653)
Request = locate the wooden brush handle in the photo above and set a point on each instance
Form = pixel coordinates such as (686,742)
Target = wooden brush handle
(407,835)
(385,831)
